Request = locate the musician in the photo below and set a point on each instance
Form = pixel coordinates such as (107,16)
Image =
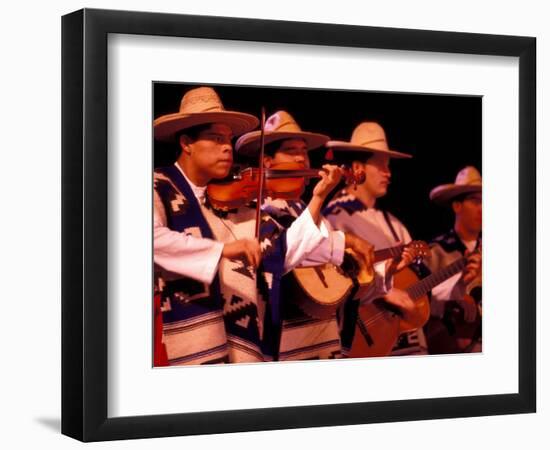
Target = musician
(303,336)
(464,198)
(356,211)
(215,308)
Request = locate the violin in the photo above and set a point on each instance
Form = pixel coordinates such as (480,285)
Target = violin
(284,180)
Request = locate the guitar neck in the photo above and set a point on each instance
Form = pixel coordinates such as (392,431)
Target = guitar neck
(425,285)
(387,253)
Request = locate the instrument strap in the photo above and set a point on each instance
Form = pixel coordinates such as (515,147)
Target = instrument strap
(390,225)
(349,318)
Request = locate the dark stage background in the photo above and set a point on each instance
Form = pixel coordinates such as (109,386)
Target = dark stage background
(442,132)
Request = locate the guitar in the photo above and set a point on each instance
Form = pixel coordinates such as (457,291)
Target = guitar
(380,324)
(452,334)
(321,289)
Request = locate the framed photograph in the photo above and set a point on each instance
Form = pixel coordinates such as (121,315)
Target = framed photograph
(452,101)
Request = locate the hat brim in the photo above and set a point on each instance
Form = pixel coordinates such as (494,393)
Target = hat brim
(168,125)
(249,144)
(445,193)
(349,147)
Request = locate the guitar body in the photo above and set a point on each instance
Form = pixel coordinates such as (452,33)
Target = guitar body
(380,324)
(417,318)
(452,334)
(376,331)
(321,289)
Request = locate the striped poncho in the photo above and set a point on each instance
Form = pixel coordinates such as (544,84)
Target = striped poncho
(232,318)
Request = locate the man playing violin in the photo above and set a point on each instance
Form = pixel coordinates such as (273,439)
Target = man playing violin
(209,266)
(303,336)
(455,323)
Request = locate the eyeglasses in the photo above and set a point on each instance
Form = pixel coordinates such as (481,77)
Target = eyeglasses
(474,199)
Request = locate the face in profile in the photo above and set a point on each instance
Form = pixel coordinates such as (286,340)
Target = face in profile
(377,175)
(211,152)
(468,212)
(289,151)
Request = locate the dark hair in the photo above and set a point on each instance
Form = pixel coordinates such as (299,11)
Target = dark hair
(192,132)
(461,197)
(271,148)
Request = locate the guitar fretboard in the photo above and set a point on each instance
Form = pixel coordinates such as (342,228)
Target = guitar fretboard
(387,253)
(421,288)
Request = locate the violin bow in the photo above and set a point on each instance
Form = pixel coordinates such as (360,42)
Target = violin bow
(261,174)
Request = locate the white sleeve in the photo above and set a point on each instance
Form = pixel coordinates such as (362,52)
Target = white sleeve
(451,289)
(301,238)
(309,245)
(187,255)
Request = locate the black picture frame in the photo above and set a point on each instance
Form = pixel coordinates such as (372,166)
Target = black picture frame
(84,224)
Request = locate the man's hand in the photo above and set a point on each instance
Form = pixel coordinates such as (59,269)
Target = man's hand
(406,258)
(329,180)
(247,250)
(473,266)
(401,299)
(362,248)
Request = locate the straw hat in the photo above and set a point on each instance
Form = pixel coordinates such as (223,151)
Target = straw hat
(201,106)
(468,180)
(368,137)
(278,127)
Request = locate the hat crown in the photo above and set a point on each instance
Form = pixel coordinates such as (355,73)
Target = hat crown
(468,180)
(282,122)
(279,126)
(468,176)
(201,100)
(371,135)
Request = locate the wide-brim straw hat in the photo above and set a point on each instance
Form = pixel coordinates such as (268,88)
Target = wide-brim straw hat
(201,106)
(278,127)
(368,137)
(467,181)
